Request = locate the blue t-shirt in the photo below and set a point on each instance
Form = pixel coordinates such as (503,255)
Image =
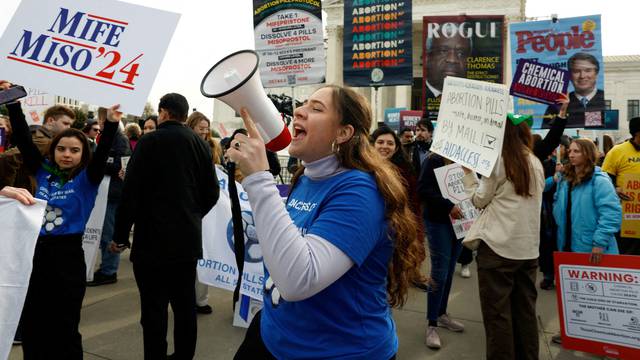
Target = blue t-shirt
(68,206)
(351,318)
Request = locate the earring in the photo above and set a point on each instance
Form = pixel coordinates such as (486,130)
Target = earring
(335,148)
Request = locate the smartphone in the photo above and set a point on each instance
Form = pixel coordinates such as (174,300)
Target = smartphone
(12,94)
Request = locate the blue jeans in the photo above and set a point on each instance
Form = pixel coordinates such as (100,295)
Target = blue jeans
(444,250)
(110,260)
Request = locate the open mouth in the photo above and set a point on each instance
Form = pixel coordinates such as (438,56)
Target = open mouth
(299,132)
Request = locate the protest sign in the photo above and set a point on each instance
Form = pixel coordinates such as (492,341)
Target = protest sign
(20,226)
(94,51)
(3,139)
(35,104)
(410,118)
(463,46)
(377,48)
(571,44)
(471,123)
(289,40)
(631,208)
(599,306)
(449,179)
(392,118)
(539,82)
(218,265)
(93,230)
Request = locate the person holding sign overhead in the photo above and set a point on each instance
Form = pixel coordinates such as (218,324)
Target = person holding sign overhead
(68,180)
(506,236)
(342,250)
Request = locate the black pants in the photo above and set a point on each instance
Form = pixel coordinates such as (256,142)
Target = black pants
(252,347)
(52,307)
(159,286)
(466,256)
(628,246)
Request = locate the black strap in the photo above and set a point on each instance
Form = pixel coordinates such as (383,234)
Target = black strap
(238,228)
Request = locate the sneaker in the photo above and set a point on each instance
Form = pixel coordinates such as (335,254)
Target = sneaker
(102,279)
(448,323)
(465,272)
(432,339)
(547,284)
(556,339)
(206,309)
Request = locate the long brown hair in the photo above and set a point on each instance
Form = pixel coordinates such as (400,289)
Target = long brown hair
(515,154)
(192,121)
(589,152)
(357,153)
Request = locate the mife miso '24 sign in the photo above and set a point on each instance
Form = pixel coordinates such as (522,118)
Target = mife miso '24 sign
(100,52)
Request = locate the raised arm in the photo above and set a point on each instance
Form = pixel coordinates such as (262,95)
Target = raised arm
(31,156)
(95,170)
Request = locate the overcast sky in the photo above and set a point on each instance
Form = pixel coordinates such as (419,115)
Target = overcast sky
(210,29)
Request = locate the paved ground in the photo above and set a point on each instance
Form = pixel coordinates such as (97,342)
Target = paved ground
(111,330)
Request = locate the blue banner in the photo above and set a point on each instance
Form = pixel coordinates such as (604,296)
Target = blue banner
(392,117)
(377,43)
(572,44)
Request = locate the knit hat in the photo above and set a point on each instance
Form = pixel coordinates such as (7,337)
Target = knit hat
(516,119)
(634,125)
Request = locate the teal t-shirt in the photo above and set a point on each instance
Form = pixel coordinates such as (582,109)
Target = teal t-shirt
(351,318)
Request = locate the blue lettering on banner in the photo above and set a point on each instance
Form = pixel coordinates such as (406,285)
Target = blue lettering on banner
(217,265)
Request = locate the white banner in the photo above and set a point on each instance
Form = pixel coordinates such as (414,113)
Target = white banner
(449,179)
(102,52)
(471,123)
(218,265)
(93,231)
(20,226)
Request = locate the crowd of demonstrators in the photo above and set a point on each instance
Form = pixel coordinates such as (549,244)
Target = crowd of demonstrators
(169,187)
(67,179)
(444,248)
(506,236)
(586,209)
(107,272)
(621,160)
(348,278)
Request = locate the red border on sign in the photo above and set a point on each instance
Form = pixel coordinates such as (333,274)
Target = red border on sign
(591,346)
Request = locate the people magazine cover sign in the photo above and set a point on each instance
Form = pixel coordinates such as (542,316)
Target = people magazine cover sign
(570,44)
(289,41)
(94,51)
(470,47)
(377,43)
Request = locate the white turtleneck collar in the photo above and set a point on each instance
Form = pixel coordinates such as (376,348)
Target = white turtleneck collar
(323,168)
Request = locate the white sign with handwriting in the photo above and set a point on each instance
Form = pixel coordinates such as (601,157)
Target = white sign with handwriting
(471,123)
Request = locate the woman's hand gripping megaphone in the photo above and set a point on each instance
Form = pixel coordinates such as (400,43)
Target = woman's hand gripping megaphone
(248,152)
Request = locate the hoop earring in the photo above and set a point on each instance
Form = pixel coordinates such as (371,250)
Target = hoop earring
(335,147)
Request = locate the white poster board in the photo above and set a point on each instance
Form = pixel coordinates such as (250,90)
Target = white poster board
(35,104)
(449,179)
(471,123)
(218,265)
(102,52)
(93,230)
(20,226)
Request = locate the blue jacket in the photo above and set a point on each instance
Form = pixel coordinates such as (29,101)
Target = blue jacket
(596,214)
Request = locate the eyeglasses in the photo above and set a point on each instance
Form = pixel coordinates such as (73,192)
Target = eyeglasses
(96,130)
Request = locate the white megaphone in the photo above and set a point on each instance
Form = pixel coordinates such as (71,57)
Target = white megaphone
(235,81)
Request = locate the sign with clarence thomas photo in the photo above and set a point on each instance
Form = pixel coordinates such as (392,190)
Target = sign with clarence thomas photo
(471,123)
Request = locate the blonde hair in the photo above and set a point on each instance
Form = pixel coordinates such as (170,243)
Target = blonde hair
(357,153)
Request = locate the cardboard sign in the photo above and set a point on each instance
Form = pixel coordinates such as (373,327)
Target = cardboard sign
(471,123)
(218,264)
(101,52)
(449,179)
(93,230)
(631,208)
(539,82)
(599,306)
(410,118)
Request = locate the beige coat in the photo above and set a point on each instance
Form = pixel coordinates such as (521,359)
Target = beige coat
(509,224)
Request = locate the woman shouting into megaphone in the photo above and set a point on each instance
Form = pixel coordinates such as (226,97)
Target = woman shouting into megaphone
(342,250)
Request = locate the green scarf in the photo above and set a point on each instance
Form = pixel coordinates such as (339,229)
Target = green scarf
(63,175)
